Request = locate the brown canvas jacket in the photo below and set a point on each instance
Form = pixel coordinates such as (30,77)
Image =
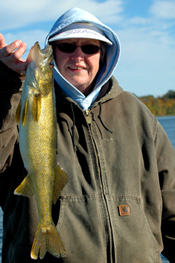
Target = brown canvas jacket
(118,205)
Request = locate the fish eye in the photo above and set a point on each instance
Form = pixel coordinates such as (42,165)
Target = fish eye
(51,64)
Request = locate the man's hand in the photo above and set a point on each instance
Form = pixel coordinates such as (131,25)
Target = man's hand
(11,55)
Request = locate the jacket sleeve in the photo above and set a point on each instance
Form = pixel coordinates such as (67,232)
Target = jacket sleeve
(9,99)
(166,166)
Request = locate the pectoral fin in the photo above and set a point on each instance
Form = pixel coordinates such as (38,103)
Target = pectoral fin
(18,112)
(25,188)
(61,180)
(24,112)
(36,106)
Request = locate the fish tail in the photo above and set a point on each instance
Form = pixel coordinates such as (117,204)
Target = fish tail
(47,239)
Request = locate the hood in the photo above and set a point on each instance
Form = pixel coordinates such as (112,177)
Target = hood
(112,56)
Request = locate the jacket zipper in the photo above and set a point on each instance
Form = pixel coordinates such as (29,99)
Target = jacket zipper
(88,117)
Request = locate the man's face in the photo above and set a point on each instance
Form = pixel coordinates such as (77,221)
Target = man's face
(78,68)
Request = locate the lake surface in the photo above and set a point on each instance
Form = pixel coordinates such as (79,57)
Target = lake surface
(168,124)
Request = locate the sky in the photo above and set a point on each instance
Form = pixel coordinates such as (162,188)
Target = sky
(146,30)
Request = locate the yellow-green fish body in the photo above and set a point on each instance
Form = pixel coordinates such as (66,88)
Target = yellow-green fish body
(38,142)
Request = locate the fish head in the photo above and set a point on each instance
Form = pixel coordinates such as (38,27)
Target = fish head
(40,68)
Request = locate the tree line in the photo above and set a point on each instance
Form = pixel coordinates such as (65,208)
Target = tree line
(160,106)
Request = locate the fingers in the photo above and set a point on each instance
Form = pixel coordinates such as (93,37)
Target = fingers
(11,54)
(7,50)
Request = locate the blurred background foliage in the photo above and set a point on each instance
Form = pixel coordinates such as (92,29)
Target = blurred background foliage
(161,106)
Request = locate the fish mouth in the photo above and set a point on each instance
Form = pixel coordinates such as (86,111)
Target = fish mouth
(41,57)
(43,54)
(41,65)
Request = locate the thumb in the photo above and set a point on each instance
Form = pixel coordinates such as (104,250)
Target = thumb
(2,41)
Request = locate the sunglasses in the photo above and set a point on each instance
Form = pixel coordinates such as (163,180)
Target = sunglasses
(70,48)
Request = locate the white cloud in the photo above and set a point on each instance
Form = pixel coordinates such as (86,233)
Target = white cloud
(163,9)
(29,37)
(108,11)
(147,61)
(17,24)
(25,13)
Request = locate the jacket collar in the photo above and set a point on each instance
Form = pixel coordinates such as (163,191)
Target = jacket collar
(109,91)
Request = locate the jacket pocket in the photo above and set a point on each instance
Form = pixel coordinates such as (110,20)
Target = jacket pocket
(81,227)
(134,241)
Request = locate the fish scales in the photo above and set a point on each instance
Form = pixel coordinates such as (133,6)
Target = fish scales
(38,141)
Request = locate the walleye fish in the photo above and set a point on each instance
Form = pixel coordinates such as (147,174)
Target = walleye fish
(38,141)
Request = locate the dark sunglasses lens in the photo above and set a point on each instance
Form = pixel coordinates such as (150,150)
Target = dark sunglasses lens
(66,47)
(69,48)
(90,49)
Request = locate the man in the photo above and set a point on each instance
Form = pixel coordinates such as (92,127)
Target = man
(118,205)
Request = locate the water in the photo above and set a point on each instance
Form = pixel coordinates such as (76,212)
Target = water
(168,124)
(1,231)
